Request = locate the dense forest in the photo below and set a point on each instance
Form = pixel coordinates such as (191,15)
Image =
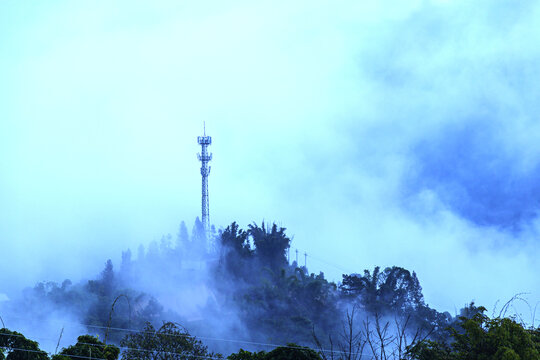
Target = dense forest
(235,292)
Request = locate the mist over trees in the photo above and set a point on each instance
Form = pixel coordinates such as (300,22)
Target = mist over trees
(236,288)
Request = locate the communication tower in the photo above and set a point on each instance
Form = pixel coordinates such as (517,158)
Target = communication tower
(204,158)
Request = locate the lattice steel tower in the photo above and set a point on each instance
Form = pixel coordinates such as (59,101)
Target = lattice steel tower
(205,157)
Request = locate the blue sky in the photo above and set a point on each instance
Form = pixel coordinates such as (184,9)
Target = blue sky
(378,132)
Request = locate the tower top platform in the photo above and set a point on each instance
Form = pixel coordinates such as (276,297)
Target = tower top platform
(204,140)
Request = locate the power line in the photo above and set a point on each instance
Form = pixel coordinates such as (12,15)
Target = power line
(185,335)
(345,270)
(247,342)
(104,345)
(208,338)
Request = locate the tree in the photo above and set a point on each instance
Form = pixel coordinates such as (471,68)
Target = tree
(15,346)
(170,342)
(236,251)
(198,239)
(482,338)
(89,346)
(236,239)
(103,291)
(292,352)
(350,341)
(247,355)
(105,285)
(394,292)
(125,266)
(270,245)
(289,352)
(394,289)
(182,238)
(279,302)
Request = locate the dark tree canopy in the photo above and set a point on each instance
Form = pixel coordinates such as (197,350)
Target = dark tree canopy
(292,352)
(395,292)
(395,288)
(169,342)
(289,352)
(15,346)
(482,338)
(247,355)
(236,252)
(89,346)
(270,245)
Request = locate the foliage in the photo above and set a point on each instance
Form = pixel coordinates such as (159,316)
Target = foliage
(289,352)
(91,302)
(279,302)
(15,346)
(250,281)
(394,288)
(292,352)
(236,252)
(247,355)
(90,346)
(169,342)
(395,292)
(482,338)
(270,245)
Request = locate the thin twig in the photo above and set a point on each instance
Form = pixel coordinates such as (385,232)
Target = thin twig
(112,311)
(59,338)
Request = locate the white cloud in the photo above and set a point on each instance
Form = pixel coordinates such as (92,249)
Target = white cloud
(315,109)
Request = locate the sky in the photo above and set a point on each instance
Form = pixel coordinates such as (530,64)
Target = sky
(377,132)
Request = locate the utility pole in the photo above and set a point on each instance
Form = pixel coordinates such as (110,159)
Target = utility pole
(204,158)
(305,260)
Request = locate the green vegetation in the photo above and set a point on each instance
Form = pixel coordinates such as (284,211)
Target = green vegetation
(88,346)
(482,338)
(477,338)
(170,341)
(289,352)
(259,297)
(15,346)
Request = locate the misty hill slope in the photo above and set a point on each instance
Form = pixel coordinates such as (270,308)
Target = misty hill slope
(236,284)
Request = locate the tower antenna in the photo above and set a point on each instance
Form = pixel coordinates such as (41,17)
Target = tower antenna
(205,157)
